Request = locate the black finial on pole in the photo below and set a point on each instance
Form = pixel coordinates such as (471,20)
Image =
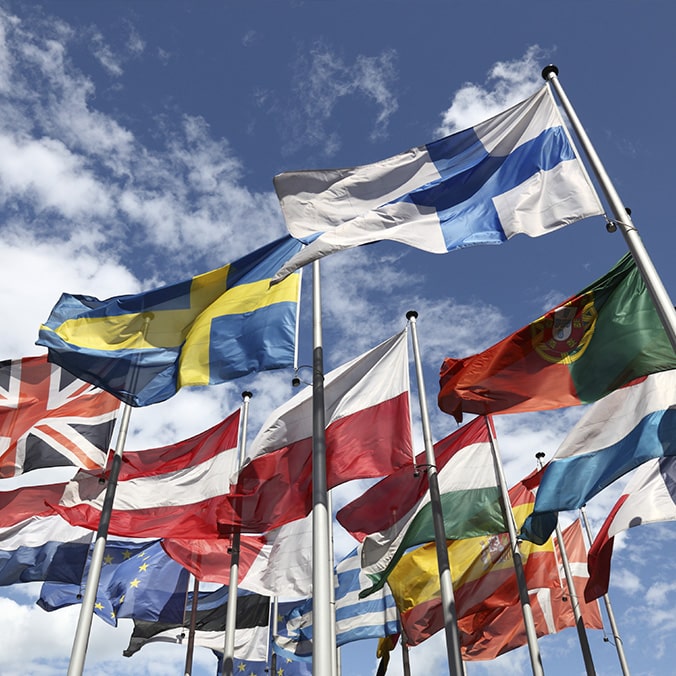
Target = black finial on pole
(411,314)
(295,381)
(539,455)
(551,69)
(246,394)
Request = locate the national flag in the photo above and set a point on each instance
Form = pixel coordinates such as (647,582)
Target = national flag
(648,497)
(368,434)
(385,646)
(171,491)
(356,618)
(277,563)
(212,328)
(43,548)
(625,429)
(283,667)
(396,514)
(494,630)
(251,625)
(514,173)
(137,580)
(591,344)
(481,568)
(49,418)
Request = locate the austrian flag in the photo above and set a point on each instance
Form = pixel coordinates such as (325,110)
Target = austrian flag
(50,418)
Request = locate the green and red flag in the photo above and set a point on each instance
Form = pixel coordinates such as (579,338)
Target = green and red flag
(593,343)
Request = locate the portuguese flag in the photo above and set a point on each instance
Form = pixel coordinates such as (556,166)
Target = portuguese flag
(593,343)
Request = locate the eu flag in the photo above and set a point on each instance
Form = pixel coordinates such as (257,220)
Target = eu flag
(215,327)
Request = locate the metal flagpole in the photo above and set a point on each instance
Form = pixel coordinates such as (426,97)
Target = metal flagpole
(529,622)
(84,623)
(572,594)
(190,648)
(446,585)
(323,640)
(273,633)
(609,609)
(663,304)
(231,607)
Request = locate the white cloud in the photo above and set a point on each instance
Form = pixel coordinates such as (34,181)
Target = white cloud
(508,83)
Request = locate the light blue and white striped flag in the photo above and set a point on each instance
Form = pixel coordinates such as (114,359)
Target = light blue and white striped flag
(514,173)
(356,619)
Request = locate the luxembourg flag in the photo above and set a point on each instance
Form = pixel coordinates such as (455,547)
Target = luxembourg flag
(648,497)
(620,432)
(514,173)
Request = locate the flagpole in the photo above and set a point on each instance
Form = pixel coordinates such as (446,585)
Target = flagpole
(572,594)
(527,611)
(84,623)
(190,648)
(609,609)
(323,643)
(621,215)
(445,582)
(273,633)
(231,608)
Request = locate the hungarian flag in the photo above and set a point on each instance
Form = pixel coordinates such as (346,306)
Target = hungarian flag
(593,343)
(50,418)
(368,435)
(171,491)
(396,513)
(481,568)
(648,497)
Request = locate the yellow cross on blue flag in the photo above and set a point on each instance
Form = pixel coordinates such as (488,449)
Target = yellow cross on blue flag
(215,327)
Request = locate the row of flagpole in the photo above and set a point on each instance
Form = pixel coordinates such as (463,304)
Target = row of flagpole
(324,652)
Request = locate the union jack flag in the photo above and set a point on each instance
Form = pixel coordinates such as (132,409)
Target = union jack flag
(50,418)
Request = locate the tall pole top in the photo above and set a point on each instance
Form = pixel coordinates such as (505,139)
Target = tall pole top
(411,314)
(549,71)
(246,395)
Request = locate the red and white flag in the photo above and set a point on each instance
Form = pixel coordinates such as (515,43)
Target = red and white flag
(50,418)
(648,497)
(172,491)
(368,434)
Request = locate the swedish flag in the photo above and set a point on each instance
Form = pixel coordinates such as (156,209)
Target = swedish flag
(209,329)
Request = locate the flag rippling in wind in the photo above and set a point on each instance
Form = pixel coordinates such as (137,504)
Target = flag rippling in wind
(137,580)
(396,514)
(171,491)
(648,497)
(215,327)
(251,625)
(368,434)
(514,173)
(596,341)
(481,568)
(50,418)
(356,618)
(622,431)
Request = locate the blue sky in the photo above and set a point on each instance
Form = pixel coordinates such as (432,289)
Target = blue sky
(138,141)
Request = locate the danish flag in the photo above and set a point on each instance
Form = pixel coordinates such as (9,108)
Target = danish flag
(50,418)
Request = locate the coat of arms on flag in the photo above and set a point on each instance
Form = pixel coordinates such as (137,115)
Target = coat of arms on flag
(50,418)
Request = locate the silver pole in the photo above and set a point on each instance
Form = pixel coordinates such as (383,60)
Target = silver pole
(190,648)
(527,611)
(572,594)
(445,582)
(274,634)
(84,623)
(231,608)
(323,643)
(609,609)
(663,304)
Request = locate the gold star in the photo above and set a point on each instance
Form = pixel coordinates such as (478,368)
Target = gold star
(280,672)
(112,614)
(241,666)
(143,567)
(122,599)
(107,559)
(135,582)
(98,605)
